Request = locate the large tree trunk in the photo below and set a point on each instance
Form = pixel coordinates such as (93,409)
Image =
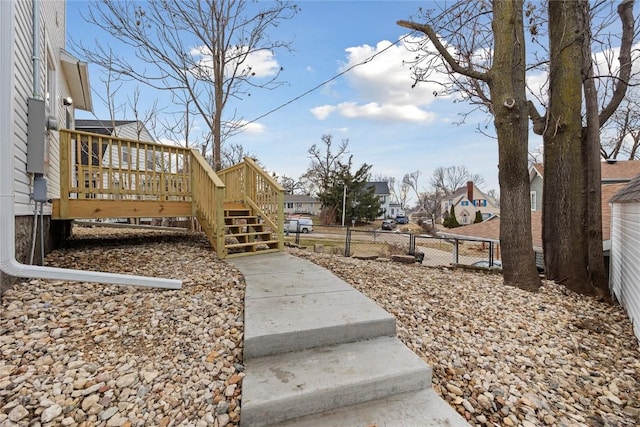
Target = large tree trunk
(591,157)
(564,198)
(507,85)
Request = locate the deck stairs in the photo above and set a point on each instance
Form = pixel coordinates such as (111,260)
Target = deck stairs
(246,234)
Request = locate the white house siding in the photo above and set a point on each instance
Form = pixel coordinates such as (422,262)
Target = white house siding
(131,131)
(52,40)
(625,259)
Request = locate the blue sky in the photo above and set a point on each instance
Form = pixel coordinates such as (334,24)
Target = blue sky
(389,125)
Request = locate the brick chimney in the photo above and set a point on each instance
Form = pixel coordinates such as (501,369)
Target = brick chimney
(470,191)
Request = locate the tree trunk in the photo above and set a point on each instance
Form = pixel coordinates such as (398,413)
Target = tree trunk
(507,85)
(564,218)
(592,173)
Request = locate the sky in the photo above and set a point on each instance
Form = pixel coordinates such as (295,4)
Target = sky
(388,125)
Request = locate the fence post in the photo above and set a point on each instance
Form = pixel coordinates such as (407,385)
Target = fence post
(455,251)
(490,254)
(347,243)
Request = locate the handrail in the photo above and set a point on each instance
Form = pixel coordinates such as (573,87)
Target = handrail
(248,183)
(208,201)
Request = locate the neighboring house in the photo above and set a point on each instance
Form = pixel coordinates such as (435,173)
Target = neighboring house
(394,210)
(384,195)
(467,201)
(614,177)
(624,270)
(301,204)
(612,172)
(41,85)
(120,155)
(130,129)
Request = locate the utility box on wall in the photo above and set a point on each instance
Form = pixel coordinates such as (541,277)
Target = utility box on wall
(37,153)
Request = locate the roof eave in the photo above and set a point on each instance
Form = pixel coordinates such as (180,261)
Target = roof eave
(76,73)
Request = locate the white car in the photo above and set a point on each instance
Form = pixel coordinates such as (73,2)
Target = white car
(298,225)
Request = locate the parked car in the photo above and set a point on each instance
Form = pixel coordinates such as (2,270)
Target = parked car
(298,225)
(485,264)
(388,224)
(402,219)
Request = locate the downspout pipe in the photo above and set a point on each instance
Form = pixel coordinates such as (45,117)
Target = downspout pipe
(37,55)
(8,262)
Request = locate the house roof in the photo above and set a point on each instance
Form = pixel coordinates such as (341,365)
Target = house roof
(628,193)
(611,170)
(103,127)
(490,229)
(77,76)
(620,170)
(299,198)
(380,187)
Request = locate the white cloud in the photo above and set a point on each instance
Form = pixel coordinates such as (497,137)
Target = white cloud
(253,127)
(323,111)
(383,86)
(394,112)
(262,63)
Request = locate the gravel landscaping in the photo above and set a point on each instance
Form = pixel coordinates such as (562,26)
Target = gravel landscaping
(84,354)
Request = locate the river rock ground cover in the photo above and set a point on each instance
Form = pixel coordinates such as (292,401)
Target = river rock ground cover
(85,354)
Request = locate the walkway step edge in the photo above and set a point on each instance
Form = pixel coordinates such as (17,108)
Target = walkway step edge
(300,340)
(292,385)
(423,408)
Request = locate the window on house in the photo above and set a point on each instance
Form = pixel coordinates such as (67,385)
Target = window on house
(465,203)
(534,206)
(125,156)
(288,205)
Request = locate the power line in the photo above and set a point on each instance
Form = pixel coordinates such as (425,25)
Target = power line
(313,89)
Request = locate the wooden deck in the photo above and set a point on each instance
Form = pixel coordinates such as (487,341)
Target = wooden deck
(107,177)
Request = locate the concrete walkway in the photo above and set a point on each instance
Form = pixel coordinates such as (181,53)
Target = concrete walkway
(319,353)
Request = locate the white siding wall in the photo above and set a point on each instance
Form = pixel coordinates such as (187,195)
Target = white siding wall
(23,90)
(624,273)
(53,34)
(131,131)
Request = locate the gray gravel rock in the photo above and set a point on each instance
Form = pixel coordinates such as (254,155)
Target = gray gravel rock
(85,354)
(502,356)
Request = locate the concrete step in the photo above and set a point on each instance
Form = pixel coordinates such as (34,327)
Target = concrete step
(302,306)
(291,385)
(423,408)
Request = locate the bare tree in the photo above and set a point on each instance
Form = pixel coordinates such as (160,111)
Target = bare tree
(145,119)
(208,49)
(234,154)
(501,69)
(290,185)
(448,179)
(410,182)
(621,139)
(324,164)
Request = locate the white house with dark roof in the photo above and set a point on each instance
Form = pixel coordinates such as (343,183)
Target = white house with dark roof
(130,129)
(384,195)
(301,204)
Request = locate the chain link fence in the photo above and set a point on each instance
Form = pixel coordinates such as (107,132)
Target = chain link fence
(427,250)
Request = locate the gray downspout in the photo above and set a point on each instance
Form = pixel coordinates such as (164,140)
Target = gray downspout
(8,262)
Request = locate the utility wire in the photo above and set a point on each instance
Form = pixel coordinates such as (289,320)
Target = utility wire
(313,89)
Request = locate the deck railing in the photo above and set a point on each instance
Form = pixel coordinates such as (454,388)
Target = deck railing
(106,167)
(247,183)
(146,179)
